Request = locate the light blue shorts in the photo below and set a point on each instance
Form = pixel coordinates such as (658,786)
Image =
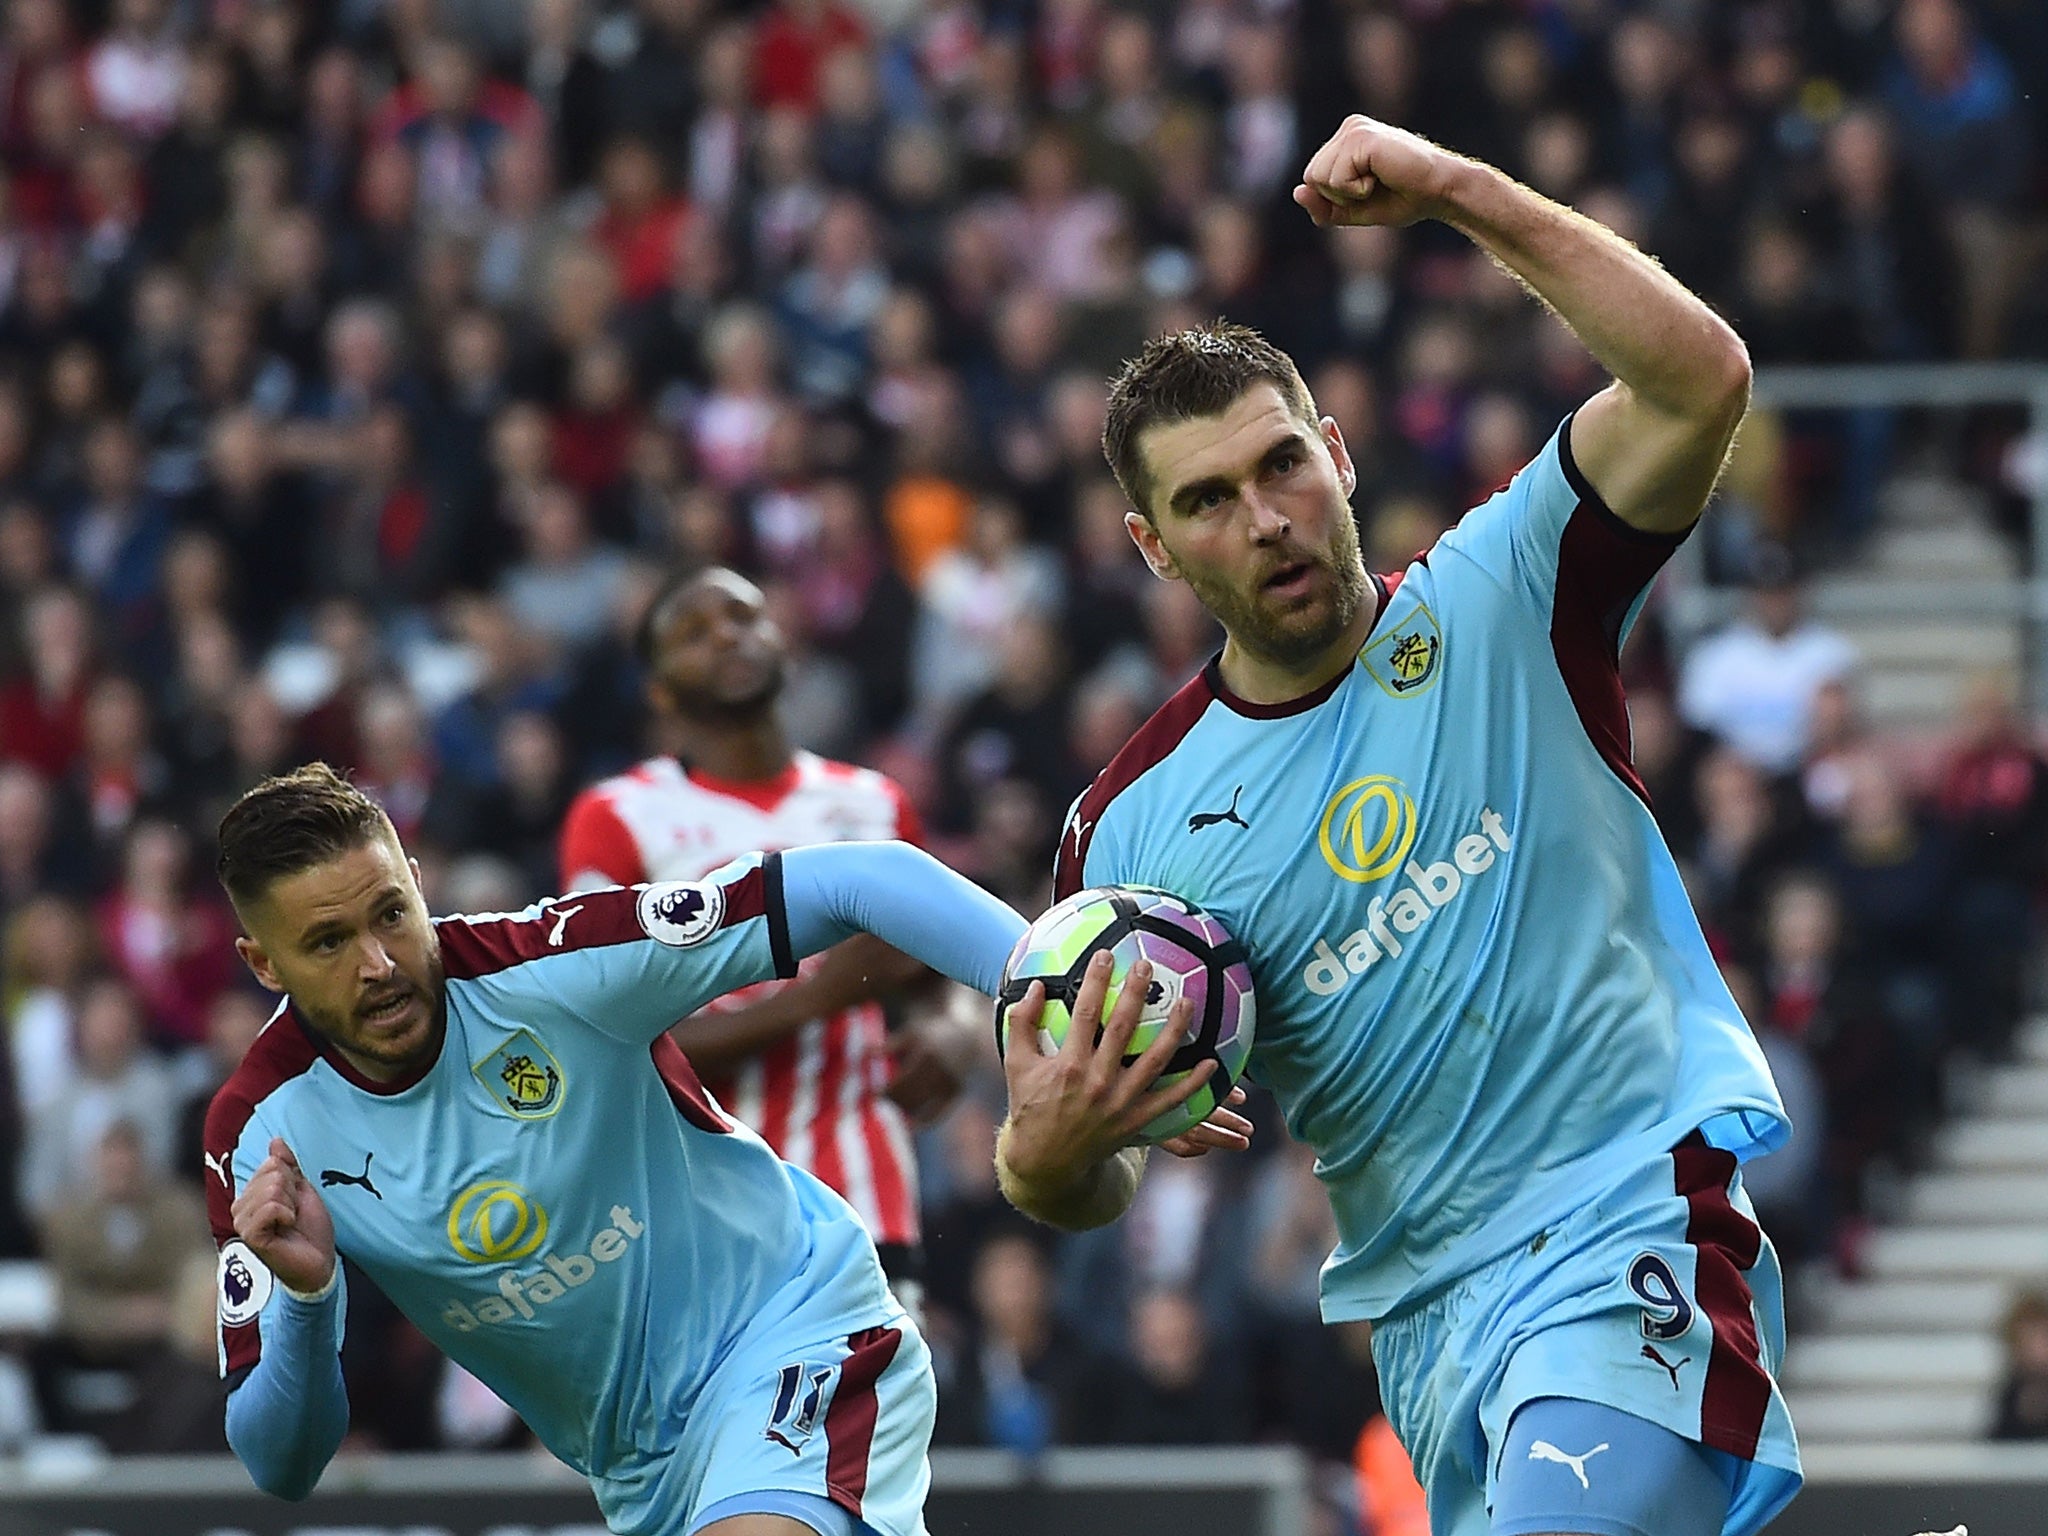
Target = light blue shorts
(846,1419)
(1661,1298)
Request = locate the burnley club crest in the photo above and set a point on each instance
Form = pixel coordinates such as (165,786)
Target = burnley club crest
(522,1077)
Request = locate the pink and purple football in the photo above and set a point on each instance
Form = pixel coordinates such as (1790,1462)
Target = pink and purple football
(1192,956)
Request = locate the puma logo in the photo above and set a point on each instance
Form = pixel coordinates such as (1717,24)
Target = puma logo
(562,916)
(329,1177)
(1203,819)
(1650,1353)
(1543,1450)
(219,1165)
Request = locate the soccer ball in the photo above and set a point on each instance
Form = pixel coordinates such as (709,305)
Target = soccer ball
(1192,956)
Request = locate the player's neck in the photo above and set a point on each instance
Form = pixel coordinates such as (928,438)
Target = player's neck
(414,1065)
(1262,680)
(740,752)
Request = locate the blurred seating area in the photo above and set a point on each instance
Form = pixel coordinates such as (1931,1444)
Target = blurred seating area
(363,365)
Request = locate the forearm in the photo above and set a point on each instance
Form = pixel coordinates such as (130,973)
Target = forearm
(1095,1199)
(719,1042)
(904,897)
(287,1418)
(1642,325)
(718,1039)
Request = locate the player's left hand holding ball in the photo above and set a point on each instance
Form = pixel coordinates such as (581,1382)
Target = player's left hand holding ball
(280,1216)
(1080,1105)
(1369,172)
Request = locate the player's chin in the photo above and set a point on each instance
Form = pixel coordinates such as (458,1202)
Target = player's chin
(1301,614)
(393,1036)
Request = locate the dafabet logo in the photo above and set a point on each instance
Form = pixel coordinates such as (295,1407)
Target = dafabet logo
(1368,830)
(497,1222)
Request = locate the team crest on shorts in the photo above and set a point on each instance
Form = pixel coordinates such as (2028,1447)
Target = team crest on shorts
(245,1284)
(522,1077)
(680,913)
(1404,660)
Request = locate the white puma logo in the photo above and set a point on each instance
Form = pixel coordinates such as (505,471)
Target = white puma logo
(218,1165)
(1543,1450)
(562,917)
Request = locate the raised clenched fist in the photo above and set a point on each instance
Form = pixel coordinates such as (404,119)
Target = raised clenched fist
(1370,173)
(280,1216)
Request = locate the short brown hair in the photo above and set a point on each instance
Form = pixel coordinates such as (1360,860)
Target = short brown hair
(1182,377)
(289,823)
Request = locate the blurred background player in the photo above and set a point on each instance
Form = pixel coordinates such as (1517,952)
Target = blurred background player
(809,1062)
(1483,998)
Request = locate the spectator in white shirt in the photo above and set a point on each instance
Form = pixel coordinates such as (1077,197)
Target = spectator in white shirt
(1753,685)
(119,1079)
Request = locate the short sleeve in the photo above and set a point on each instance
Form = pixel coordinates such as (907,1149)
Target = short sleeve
(1554,545)
(630,962)
(245,1291)
(242,1282)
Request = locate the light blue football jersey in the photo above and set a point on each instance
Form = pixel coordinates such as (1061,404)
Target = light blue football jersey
(555,1201)
(1483,995)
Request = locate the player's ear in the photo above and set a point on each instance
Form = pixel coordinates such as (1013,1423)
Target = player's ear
(419,881)
(258,961)
(1146,536)
(1333,439)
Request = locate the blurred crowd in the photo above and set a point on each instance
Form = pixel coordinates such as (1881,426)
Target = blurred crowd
(363,365)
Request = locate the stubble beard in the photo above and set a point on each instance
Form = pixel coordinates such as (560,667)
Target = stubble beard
(346,1033)
(1275,638)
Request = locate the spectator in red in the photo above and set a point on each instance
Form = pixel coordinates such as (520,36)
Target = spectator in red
(1994,787)
(1993,798)
(386,543)
(347,649)
(119,771)
(165,935)
(42,710)
(641,219)
(795,38)
(58,114)
(593,434)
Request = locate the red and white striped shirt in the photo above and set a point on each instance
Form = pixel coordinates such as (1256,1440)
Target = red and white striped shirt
(817,1096)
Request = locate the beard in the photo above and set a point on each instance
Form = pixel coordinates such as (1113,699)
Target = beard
(354,1034)
(1272,632)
